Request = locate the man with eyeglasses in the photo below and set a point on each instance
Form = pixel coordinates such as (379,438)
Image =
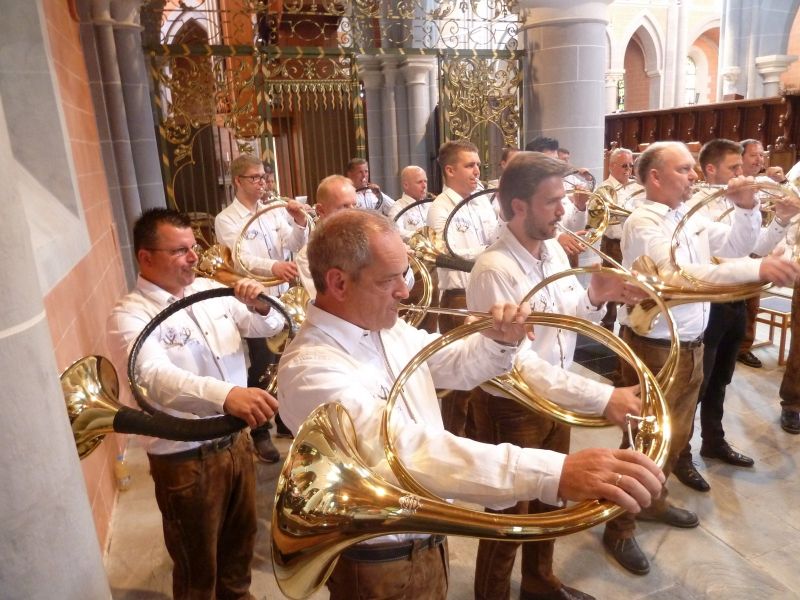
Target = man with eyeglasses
(193,366)
(265,250)
(620,178)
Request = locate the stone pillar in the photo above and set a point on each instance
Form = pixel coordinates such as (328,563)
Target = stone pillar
(731,54)
(391,161)
(115,105)
(564,87)
(134,79)
(417,71)
(771,68)
(49,547)
(369,71)
(612,83)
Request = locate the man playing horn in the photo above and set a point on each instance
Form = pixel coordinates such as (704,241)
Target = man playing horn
(193,366)
(266,249)
(351,348)
(530,193)
(471,230)
(414,182)
(666,169)
(620,178)
(721,161)
(368,194)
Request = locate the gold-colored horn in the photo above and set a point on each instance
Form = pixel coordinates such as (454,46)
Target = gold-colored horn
(678,286)
(654,442)
(328,499)
(91,391)
(602,211)
(239,265)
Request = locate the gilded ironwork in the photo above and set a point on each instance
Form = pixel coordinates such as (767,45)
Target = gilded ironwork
(480,93)
(227,71)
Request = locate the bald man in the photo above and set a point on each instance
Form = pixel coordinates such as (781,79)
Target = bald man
(414,182)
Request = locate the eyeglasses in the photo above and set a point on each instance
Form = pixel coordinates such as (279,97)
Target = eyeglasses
(627,166)
(255,178)
(178,252)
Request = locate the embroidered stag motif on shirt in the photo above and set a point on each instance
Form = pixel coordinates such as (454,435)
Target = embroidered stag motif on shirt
(172,336)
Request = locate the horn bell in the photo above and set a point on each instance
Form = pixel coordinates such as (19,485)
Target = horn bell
(91,392)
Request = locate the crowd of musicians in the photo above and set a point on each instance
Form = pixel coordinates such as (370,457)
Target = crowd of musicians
(472,444)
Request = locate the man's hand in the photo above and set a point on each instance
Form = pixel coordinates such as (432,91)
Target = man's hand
(623,401)
(786,208)
(743,198)
(252,405)
(247,291)
(776,174)
(605,287)
(509,323)
(624,477)
(778,270)
(570,244)
(284,269)
(297,212)
(579,197)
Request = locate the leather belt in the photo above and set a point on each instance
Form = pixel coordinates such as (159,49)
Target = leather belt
(212,447)
(390,552)
(690,345)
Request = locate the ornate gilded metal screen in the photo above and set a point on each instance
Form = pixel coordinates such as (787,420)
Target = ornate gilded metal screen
(279,78)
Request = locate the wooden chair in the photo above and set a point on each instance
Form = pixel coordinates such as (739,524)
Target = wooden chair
(776,313)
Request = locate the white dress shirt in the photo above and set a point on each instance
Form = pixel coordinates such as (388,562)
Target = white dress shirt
(648,232)
(332,360)
(471,231)
(506,272)
(722,209)
(269,239)
(367,199)
(624,200)
(190,362)
(411,220)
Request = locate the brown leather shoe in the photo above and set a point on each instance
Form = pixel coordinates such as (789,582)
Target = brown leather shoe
(627,553)
(563,593)
(687,474)
(674,516)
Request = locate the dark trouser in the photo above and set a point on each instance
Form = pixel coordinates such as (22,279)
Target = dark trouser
(721,340)
(611,247)
(681,402)
(750,324)
(208,510)
(500,420)
(261,358)
(790,385)
(455,405)
(422,576)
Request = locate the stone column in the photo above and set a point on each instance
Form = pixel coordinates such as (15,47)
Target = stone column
(417,71)
(771,68)
(564,87)
(391,161)
(115,105)
(369,71)
(49,547)
(134,79)
(612,84)
(730,78)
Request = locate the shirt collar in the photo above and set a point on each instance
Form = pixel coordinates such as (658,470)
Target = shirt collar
(241,210)
(157,294)
(344,333)
(527,261)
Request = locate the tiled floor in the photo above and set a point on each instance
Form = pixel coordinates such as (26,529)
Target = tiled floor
(745,548)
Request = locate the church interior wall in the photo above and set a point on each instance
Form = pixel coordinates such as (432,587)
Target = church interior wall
(77,305)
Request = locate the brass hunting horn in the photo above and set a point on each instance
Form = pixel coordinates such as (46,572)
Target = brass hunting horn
(91,393)
(327,499)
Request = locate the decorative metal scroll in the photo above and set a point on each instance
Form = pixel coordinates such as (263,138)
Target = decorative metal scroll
(235,76)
